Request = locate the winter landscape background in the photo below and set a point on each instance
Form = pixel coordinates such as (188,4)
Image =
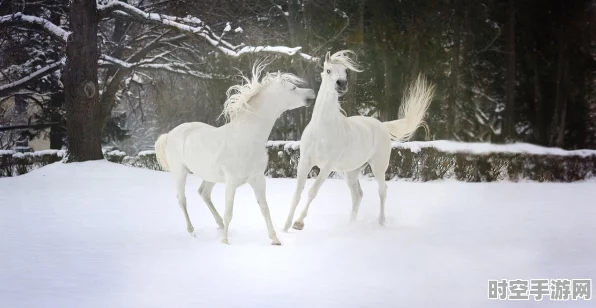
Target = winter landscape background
(505,70)
(88,220)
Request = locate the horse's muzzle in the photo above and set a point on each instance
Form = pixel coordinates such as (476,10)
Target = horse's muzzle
(341,90)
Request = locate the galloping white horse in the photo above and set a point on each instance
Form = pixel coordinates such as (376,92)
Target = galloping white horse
(334,142)
(235,153)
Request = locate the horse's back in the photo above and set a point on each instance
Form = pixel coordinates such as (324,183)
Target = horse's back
(372,133)
(184,128)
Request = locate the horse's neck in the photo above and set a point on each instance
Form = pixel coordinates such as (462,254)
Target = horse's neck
(256,125)
(327,109)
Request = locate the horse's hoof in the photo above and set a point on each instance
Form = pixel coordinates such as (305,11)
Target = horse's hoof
(382,221)
(276,243)
(298,225)
(193,234)
(225,241)
(190,229)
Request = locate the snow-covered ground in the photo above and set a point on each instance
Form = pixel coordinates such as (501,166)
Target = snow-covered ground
(99,234)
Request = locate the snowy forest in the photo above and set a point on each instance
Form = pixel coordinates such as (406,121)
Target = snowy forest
(505,71)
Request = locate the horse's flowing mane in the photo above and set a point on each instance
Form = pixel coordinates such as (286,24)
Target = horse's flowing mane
(239,96)
(343,57)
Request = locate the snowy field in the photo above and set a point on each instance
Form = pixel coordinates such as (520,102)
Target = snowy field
(99,234)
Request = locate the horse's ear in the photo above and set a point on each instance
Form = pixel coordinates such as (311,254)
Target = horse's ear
(327,55)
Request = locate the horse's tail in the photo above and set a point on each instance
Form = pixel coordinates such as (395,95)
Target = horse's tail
(160,151)
(412,111)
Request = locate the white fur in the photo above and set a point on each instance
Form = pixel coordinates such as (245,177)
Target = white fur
(334,142)
(235,153)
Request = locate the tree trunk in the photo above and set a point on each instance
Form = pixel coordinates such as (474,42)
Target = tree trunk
(391,101)
(80,84)
(454,76)
(509,131)
(561,133)
(296,39)
(356,41)
(539,130)
(559,94)
(57,130)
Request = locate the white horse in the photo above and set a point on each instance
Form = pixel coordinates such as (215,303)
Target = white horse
(235,153)
(334,142)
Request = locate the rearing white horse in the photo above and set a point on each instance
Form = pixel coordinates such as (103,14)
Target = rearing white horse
(235,153)
(334,142)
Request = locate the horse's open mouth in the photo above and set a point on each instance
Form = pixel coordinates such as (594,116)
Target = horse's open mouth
(341,92)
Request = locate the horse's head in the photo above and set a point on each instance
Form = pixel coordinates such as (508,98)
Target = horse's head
(285,87)
(336,68)
(275,93)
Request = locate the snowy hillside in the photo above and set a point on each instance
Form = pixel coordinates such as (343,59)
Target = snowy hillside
(99,234)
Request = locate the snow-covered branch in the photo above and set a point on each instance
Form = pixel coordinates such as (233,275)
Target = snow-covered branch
(173,67)
(196,27)
(7,88)
(48,26)
(180,69)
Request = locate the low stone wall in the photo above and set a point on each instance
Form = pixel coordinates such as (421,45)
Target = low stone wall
(417,161)
(428,161)
(13,163)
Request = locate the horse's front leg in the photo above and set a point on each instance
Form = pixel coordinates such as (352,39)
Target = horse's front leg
(259,186)
(304,167)
(312,193)
(231,186)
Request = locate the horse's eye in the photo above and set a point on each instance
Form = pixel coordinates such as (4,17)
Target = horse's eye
(293,88)
(328,71)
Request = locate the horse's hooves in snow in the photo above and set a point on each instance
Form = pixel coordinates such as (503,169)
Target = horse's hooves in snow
(382,221)
(298,225)
(276,243)
(225,241)
(191,230)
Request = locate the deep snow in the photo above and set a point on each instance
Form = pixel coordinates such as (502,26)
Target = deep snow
(99,234)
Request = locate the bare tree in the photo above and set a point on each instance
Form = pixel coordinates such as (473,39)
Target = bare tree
(89,104)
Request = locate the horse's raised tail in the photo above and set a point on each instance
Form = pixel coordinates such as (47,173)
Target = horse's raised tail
(412,111)
(160,151)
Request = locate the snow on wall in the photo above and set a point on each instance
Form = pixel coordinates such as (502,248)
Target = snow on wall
(417,161)
(116,153)
(486,148)
(59,153)
(146,153)
(468,147)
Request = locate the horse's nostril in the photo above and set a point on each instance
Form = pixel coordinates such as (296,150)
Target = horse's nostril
(341,83)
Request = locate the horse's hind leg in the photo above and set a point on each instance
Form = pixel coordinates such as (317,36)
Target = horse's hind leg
(205,193)
(355,190)
(180,177)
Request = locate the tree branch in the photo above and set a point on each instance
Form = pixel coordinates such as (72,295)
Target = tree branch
(13,86)
(49,27)
(196,27)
